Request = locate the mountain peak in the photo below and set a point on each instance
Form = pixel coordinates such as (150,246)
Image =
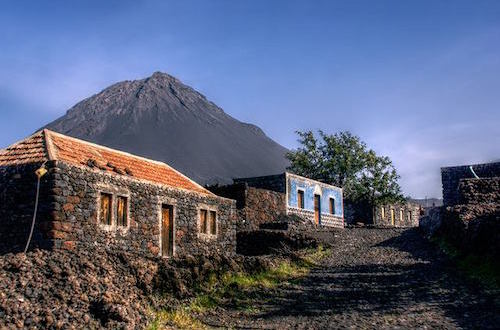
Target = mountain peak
(161,118)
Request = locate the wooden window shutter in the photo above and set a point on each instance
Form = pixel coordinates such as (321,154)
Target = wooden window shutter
(213,223)
(300,201)
(203,222)
(121,211)
(106,209)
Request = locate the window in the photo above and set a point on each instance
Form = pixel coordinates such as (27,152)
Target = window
(332,206)
(401,214)
(393,216)
(203,222)
(383,212)
(409,216)
(213,223)
(300,199)
(208,222)
(106,200)
(121,211)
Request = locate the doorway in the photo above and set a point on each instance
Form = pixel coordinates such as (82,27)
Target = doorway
(317,209)
(167,230)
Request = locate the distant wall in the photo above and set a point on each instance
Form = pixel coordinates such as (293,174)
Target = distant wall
(397,215)
(451,176)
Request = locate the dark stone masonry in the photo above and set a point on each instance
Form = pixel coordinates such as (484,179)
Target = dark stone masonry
(471,212)
(256,206)
(79,209)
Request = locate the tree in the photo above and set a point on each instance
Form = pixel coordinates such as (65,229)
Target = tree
(342,159)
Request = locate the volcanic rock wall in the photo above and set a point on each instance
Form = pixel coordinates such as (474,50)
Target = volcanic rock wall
(473,223)
(451,177)
(17,203)
(255,205)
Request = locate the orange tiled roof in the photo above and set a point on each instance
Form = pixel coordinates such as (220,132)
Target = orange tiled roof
(48,145)
(29,150)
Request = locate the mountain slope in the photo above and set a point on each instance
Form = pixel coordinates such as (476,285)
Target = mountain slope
(163,119)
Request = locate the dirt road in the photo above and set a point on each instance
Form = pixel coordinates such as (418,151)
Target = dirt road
(374,278)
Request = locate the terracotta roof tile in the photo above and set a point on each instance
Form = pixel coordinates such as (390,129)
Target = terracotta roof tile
(29,150)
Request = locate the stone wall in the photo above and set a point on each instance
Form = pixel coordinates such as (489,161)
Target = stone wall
(451,177)
(17,203)
(479,191)
(327,220)
(263,206)
(405,215)
(473,224)
(255,205)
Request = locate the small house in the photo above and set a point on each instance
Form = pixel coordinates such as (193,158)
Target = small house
(91,194)
(265,199)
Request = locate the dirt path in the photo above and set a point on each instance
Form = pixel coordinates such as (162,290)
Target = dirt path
(375,278)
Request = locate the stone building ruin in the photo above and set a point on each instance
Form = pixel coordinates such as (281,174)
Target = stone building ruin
(397,215)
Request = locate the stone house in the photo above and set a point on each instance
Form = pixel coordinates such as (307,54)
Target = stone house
(397,215)
(265,199)
(92,194)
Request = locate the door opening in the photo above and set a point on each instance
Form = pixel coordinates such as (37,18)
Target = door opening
(317,209)
(167,230)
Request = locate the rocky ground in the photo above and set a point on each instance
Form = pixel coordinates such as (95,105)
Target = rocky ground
(374,278)
(98,288)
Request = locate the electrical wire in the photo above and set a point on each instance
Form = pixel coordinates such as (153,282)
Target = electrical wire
(34,215)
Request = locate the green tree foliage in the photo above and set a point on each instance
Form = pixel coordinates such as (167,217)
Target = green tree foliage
(342,159)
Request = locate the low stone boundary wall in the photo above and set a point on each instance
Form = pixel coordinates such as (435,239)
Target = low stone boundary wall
(327,220)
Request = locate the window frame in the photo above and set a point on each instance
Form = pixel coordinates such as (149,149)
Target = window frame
(114,192)
(301,204)
(332,205)
(213,230)
(209,231)
(203,226)
(125,211)
(110,209)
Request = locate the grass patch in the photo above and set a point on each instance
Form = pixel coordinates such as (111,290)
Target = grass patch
(236,289)
(483,269)
(180,317)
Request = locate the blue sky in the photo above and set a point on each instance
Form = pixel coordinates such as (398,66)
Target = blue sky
(419,81)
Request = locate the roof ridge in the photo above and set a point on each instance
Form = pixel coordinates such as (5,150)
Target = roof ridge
(49,133)
(51,151)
